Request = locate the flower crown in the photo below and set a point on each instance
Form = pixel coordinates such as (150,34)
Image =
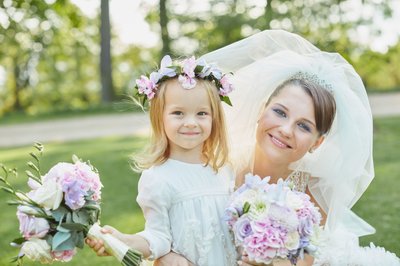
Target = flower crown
(186,70)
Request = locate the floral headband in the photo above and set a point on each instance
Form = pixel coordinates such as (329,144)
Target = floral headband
(186,70)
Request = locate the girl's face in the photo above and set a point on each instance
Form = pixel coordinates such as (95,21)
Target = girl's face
(286,129)
(187,119)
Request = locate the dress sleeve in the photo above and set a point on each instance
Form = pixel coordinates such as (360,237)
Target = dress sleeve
(154,199)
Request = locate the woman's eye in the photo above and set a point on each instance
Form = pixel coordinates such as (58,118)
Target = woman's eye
(279,112)
(305,127)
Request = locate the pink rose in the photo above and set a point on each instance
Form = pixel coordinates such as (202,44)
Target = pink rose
(64,255)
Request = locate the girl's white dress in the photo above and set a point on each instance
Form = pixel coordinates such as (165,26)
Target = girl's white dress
(183,205)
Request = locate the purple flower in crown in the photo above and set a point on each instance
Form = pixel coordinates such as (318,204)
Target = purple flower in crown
(166,68)
(209,69)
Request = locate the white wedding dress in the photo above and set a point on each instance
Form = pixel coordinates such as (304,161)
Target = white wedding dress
(343,163)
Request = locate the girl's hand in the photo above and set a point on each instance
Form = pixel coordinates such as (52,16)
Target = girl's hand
(97,244)
(172,259)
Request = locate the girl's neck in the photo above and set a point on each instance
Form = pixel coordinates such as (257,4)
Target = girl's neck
(263,167)
(187,156)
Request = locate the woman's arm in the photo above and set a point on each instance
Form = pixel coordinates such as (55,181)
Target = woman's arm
(172,259)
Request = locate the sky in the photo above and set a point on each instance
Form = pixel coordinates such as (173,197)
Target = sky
(130,26)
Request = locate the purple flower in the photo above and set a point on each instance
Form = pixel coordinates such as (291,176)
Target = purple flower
(189,65)
(243,228)
(165,68)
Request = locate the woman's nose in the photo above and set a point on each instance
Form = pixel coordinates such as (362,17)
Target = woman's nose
(286,129)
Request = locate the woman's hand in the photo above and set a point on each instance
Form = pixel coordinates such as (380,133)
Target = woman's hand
(98,245)
(172,259)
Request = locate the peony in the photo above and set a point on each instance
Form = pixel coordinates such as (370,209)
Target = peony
(37,250)
(30,226)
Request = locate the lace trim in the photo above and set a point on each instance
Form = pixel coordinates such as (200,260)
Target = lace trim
(299,180)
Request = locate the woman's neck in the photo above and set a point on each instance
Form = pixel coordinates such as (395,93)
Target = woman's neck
(263,167)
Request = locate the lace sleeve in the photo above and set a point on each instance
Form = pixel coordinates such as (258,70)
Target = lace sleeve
(299,180)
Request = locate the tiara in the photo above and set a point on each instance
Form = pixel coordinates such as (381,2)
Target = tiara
(314,79)
(187,71)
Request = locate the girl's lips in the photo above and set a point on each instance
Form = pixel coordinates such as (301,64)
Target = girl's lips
(278,142)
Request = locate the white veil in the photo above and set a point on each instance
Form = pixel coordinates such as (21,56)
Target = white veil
(343,163)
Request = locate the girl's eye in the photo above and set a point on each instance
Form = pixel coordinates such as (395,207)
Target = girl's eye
(202,113)
(305,127)
(279,112)
(177,113)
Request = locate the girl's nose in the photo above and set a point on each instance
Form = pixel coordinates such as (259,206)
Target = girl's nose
(190,122)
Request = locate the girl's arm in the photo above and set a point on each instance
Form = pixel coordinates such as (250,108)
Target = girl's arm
(132,240)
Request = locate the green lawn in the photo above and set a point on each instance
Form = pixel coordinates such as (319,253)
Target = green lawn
(380,205)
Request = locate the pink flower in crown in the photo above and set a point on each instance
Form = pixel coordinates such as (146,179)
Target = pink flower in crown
(187,78)
(227,87)
(148,86)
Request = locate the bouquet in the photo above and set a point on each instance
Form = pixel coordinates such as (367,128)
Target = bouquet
(273,221)
(60,210)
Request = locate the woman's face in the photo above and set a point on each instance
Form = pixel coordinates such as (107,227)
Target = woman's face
(286,129)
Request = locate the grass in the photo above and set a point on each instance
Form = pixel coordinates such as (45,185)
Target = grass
(379,206)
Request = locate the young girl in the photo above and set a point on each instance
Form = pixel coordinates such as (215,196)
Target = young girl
(185,185)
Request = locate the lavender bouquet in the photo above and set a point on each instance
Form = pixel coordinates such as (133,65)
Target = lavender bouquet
(60,210)
(273,221)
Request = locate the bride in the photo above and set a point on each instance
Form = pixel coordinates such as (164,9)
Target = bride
(333,165)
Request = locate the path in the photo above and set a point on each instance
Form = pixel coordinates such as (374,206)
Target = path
(127,125)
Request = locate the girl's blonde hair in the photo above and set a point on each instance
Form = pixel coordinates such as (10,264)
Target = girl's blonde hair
(215,148)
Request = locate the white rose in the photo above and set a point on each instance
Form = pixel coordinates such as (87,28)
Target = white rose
(292,240)
(49,195)
(37,250)
(293,201)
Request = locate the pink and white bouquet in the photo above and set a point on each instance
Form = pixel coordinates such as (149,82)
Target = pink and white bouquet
(60,210)
(272,221)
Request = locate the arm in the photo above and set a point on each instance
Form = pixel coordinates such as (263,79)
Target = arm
(155,240)
(172,259)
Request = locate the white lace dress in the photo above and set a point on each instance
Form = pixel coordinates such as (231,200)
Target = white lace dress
(341,248)
(183,205)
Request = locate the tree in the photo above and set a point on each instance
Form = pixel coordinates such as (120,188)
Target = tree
(107,91)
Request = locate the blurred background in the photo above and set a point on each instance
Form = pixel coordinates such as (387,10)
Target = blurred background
(65,59)
(77,54)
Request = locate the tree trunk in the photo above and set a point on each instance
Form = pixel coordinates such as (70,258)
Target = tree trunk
(107,94)
(164,28)
(268,14)
(17,88)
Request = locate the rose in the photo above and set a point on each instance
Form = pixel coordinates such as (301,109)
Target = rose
(37,250)
(292,240)
(49,194)
(243,228)
(294,201)
(227,87)
(30,226)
